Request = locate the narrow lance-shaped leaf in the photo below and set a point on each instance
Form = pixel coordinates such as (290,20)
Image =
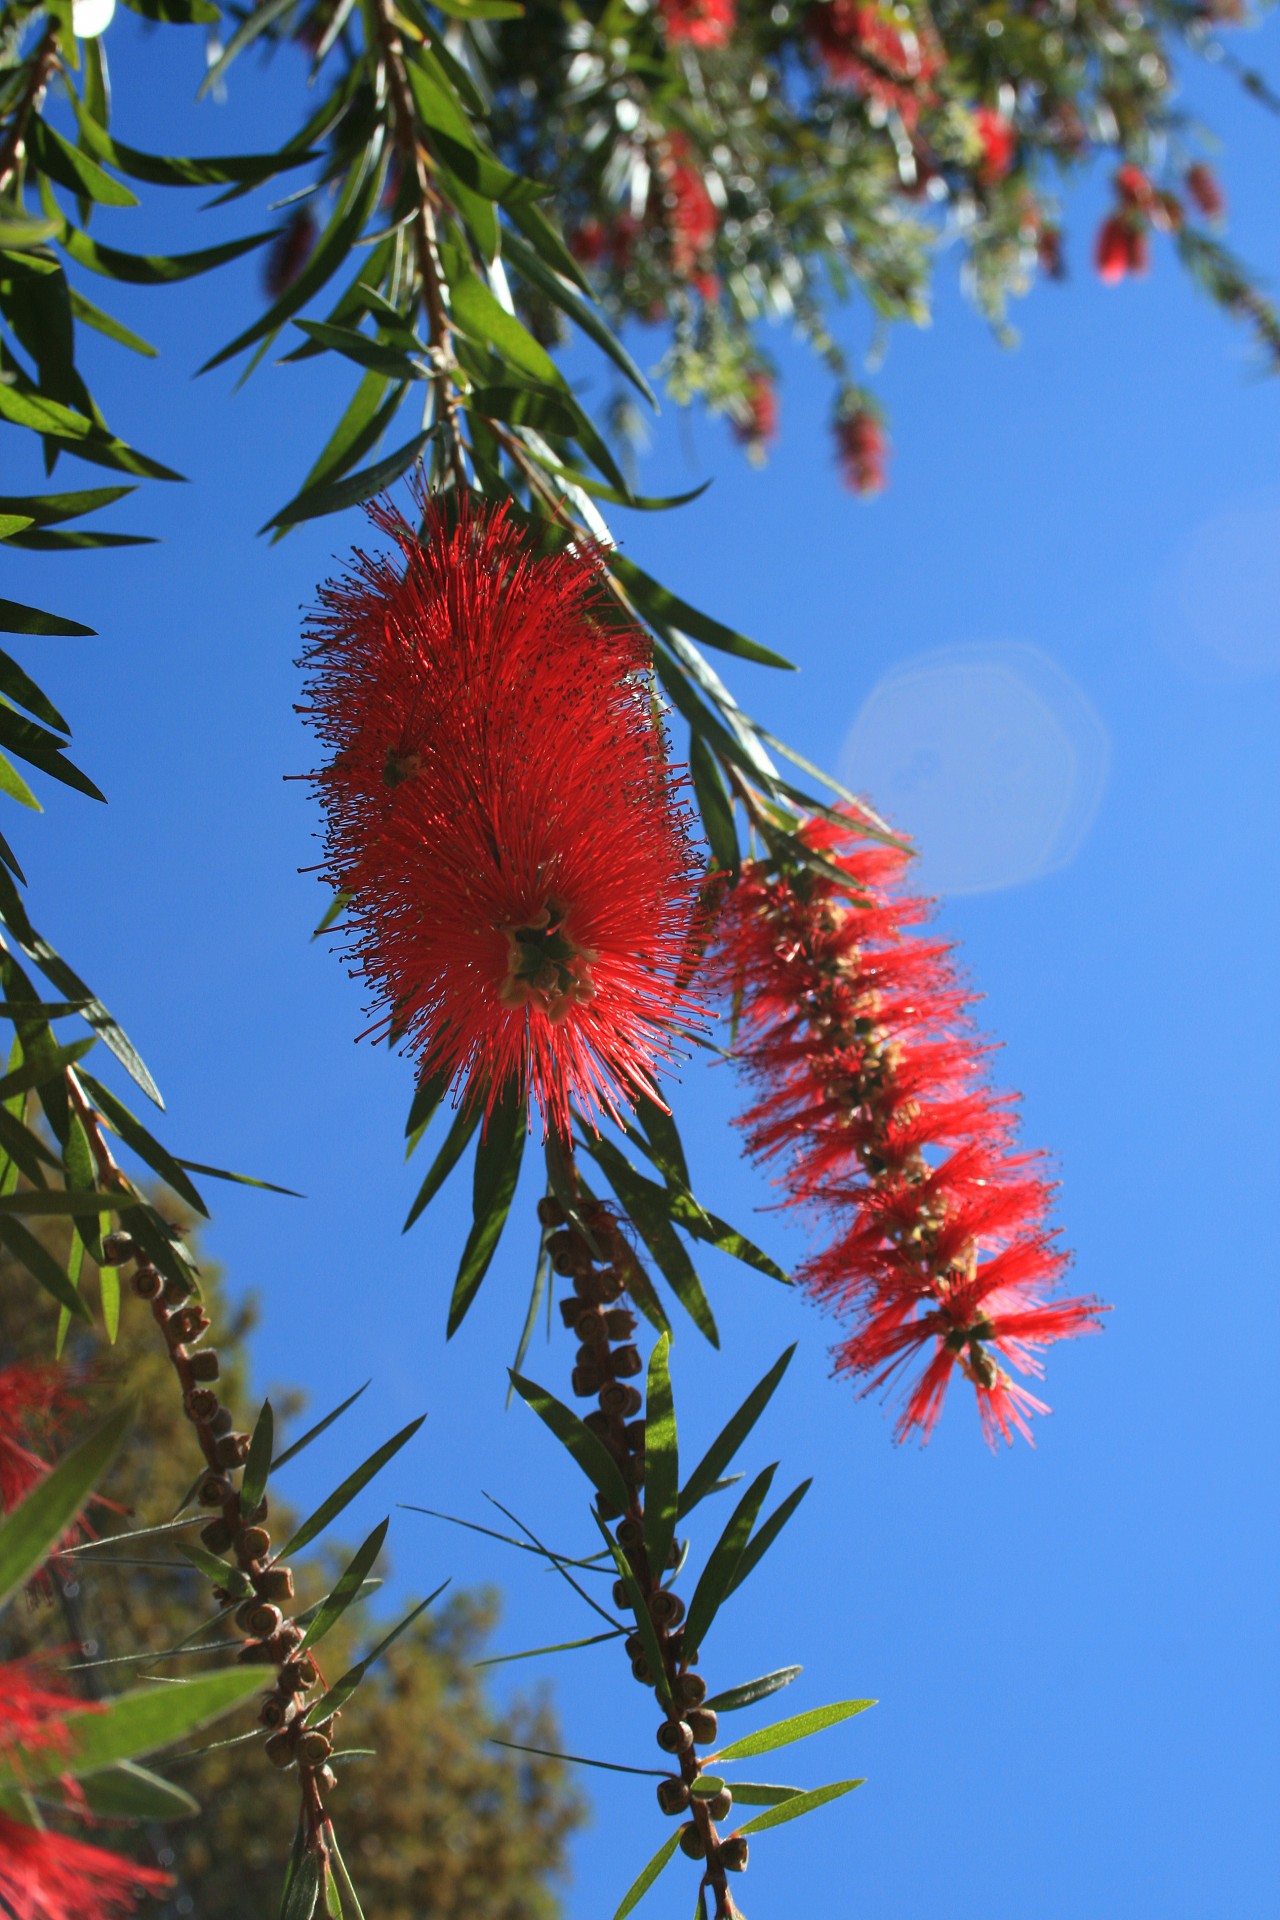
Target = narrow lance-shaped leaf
(752,1690)
(785,1733)
(342,1496)
(596,1462)
(342,1689)
(138,1722)
(731,1436)
(36,1524)
(348,1588)
(253,1486)
(640,1609)
(765,1536)
(313,1433)
(797,1804)
(465,1123)
(713,1586)
(644,1880)
(497,1171)
(661,1460)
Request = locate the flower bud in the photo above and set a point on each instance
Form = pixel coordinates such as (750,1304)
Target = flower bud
(619,1400)
(274,1583)
(666,1609)
(279,1748)
(297,1676)
(216,1536)
(204,1365)
(200,1405)
(117,1248)
(258,1618)
(675,1736)
(673,1794)
(692,1842)
(314,1747)
(702,1725)
(254,1543)
(733,1853)
(231,1449)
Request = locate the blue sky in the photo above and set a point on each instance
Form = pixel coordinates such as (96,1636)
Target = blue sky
(1072,1648)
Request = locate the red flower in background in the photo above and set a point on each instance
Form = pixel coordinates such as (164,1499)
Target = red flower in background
(50,1876)
(999,143)
(861,448)
(500,810)
(1123,248)
(703,23)
(872,1094)
(32,1397)
(891,63)
(758,424)
(689,213)
(288,253)
(1202,185)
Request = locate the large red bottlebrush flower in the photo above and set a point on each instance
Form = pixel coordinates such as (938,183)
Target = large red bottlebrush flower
(861,448)
(1122,248)
(50,1876)
(702,23)
(500,811)
(860,47)
(688,212)
(874,1099)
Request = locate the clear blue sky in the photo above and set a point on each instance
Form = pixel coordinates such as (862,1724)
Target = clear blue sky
(1073,1648)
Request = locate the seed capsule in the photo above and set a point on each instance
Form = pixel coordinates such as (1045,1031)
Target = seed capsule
(673,1794)
(117,1248)
(691,1689)
(274,1583)
(314,1747)
(619,1400)
(720,1805)
(550,1212)
(145,1282)
(279,1748)
(216,1536)
(733,1854)
(666,1609)
(675,1736)
(204,1365)
(200,1405)
(258,1618)
(213,1490)
(231,1449)
(692,1842)
(702,1724)
(254,1544)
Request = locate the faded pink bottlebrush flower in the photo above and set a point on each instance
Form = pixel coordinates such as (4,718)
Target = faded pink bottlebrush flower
(872,1097)
(862,447)
(500,811)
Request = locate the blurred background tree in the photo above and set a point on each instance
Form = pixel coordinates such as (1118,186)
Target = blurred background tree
(445,1823)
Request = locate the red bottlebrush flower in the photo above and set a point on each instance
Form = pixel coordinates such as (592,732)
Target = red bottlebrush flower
(500,811)
(1123,248)
(999,143)
(757,425)
(32,1397)
(287,254)
(1049,252)
(860,47)
(1202,185)
(688,211)
(702,23)
(861,448)
(872,1094)
(1134,189)
(589,242)
(50,1876)
(32,1715)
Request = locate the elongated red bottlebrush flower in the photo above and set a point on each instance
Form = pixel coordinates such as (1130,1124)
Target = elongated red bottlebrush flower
(500,811)
(30,1396)
(999,142)
(867,47)
(702,23)
(861,449)
(873,1096)
(46,1875)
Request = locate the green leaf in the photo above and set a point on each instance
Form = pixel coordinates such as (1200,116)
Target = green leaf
(661,1461)
(30,1531)
(11,523)
(375,355)
(562,1646)
(659,603)
(750,1793)
(752,1690)
(302,1889)
(342,1690)
(338,495)
(177,170)
(800,1803)
(58,1203)
(527,259)
(644,1880)
(106,324)
(135,1135)
(342,1496)
(579,1759)
(465,1122)
(758,1546)
(55,968)
(250,27)
(348,1587)
(361,427)
(258,1465)
(12,783)
(731,1436)
(648,1207)
(240,1179)
(75,170)
(154,269)
(130,1792)
(481,315)
(20,687)
(43,750)
(183,13)
(15,618)
(497,1170)
(701,1225)
(313,1433)
(713,1587)
(639,1607)
(541,1277)
(47,509)
(785,1733)
(596,1462)
(714,804)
